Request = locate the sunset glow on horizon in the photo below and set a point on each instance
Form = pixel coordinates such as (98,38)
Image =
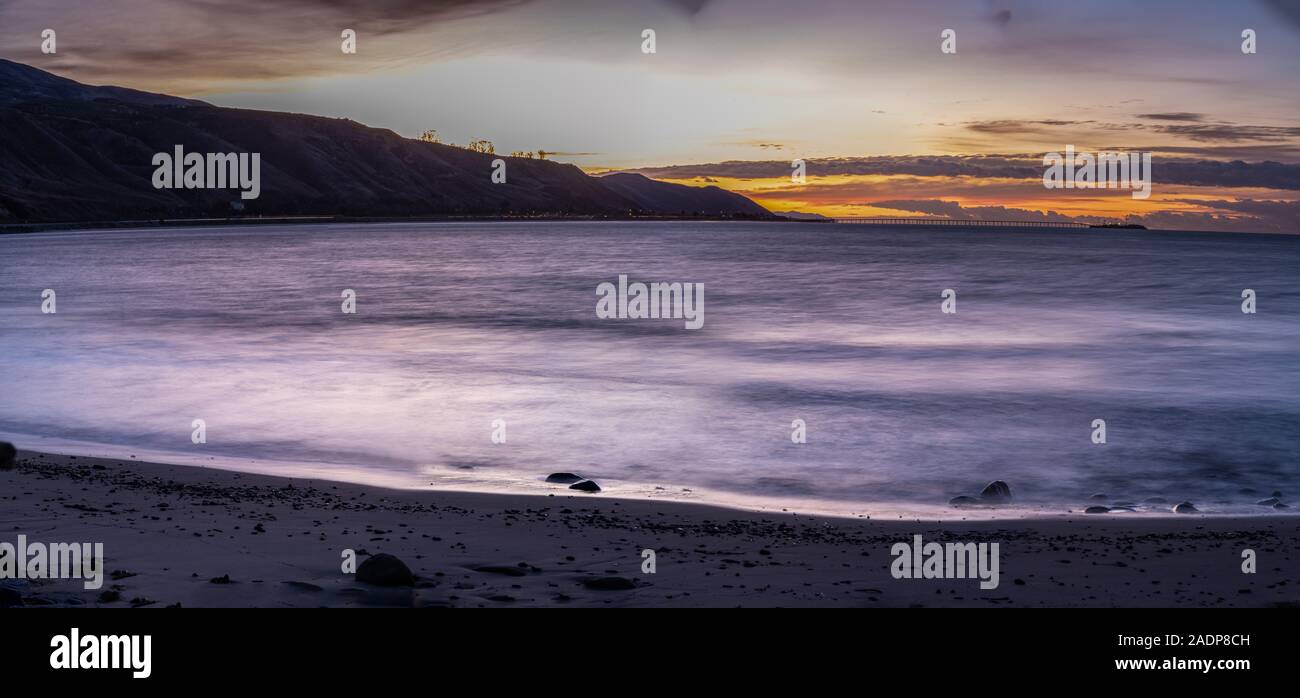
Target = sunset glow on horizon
(733,83)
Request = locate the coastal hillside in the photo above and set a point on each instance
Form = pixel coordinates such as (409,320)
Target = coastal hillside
(653,195)
(73,152)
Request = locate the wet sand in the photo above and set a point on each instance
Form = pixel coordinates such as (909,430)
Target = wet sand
(201,537)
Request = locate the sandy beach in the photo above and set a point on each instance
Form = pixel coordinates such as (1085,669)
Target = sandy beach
(201,537)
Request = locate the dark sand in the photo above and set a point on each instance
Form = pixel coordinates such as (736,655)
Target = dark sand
(174,529)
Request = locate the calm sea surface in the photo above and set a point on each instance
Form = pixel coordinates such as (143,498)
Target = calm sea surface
(458,325)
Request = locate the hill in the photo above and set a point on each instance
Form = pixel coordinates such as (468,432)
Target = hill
(73,152)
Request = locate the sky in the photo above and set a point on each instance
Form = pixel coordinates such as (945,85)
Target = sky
(737,89)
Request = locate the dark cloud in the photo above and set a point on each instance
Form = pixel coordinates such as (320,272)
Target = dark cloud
(691,7)
(952,209)
(1230,133)
(1268,209)
(202,46)
(1288,9)
(932,207)
(1173,116)
(1013,126)
(379,16)
(1285,152)
(1270,175)
(1241,216)
(194,46)
(919,165)
(1186,125)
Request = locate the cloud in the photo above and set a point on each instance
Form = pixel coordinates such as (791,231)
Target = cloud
(205,46)
(379,16)
(1288,9)
(1267,209)
(1005,126)
(757,143)
(1202,132)
(952,209)
(919,165)
(196,46)
(1231,133)
(1286,152)
(1246,215)
(1173,116)
(1191,133)
(933,207)
(1270,175)
(1267,174)
(690,7)
(1191,194)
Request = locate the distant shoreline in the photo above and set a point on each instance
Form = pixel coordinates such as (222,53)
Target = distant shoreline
(304,220)
(23,228)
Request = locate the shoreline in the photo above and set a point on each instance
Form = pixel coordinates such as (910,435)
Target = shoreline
(147,224)
(848,509)
(161,223)
(174,533)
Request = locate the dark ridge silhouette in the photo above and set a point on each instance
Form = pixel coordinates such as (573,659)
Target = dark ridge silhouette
(654,196)
(23,83)
(73,152)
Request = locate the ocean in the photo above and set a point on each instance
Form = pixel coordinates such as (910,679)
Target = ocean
(468,331)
